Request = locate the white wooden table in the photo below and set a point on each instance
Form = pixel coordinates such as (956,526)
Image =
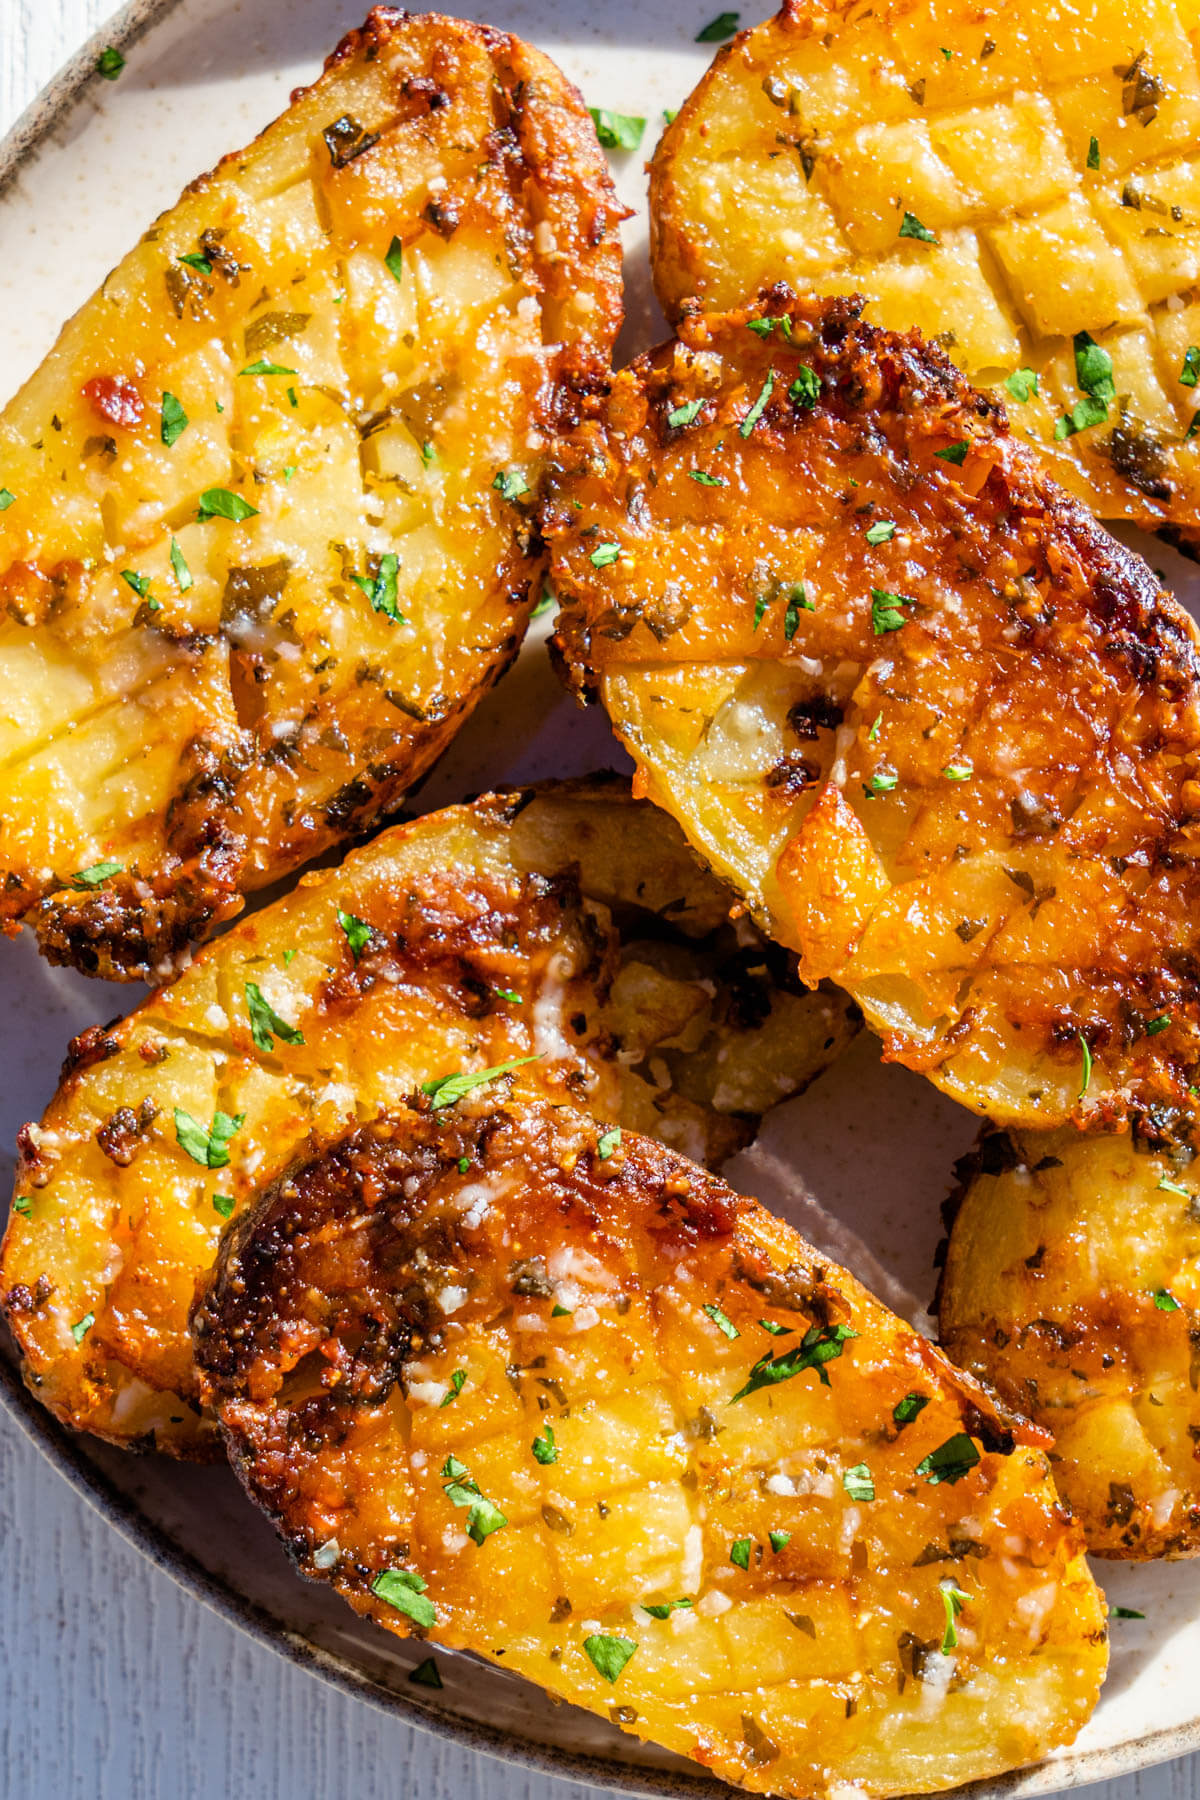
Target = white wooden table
(114,1685)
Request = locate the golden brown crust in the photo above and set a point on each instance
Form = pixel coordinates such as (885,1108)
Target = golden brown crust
(493,1358)
(939,728)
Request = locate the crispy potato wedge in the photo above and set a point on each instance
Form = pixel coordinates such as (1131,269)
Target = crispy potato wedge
(1072,1282)
(1003,177)
(939,729)
(587,1412)
(268,532)
(569,924)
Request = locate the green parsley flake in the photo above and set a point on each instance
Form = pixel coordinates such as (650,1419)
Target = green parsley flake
(1190,371)
(139,583)
(1124,1612)
(404,1590)
(721,1320)
(882,782)
(882,532)
(797,602)
(608,1655)
(687,414)
(1173,1187)
(911,227)
(617,131)
(762,328)
(209,1148)
(819,1345)
(97,875)
(603,555)
(950,1461)
(1093,155)
(426,1674)
(509,994)
(858,1482)
(220,503)
(289,957)
(358,932)
(717,30)
(544,1448)
(1166,1302)
(458,1382)
(1154,1026)
(955,453)
(173,422)
(264,367)
(885,611)
(609,1141)
(1085,1078)
(394,260)
(23,1204)
(805,391)
(1192,429)
(906,1410)
(1083,414)
(80,1331)
(558,1311)
(510,484)
(760,607)
(464,1164)
(774,1329)
(756,411)
(953,1599)
(223,1204)
(483,1516)
(7,499)
(195,261)
(1022,384)
(778,1540)
(662,1609)
(266,1024)
(705,479)
(958,771)
(382,588)
(1094,374)
(109,63)
(183,575)
(445,1090)
(873,734)
(739,1553)
(948,54)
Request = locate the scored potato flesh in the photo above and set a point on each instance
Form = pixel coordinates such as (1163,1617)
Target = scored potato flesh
(939,729)
(812,136)
(1072,1283)
(382,1323)
(570,924)
(393,299)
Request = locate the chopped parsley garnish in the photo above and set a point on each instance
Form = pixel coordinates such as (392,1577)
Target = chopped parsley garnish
(381,588)
(953,1599)
(1094,374)
(183,575)
(266,1024)
(819,1345)
(882,781)
(1154,1026)
(604,554)
(97,875)
(1093,155)
(1173,1187)
(394,259)
(1166,1302)
(139,583)
(906,1410)
(289,957)
(608,1655)
(662,1609)
(173,422)
(509,994)
(426,1674)
(220,503)
(23,1203)
(484,1515)
(739,1553)
(223,1204)
(544,1448)
(882,532)
(958,771)
(1124,1612)
(357,931)
(404,1589)
(797,602)
(705,479)
(687,414)
(1192,429)
(858,1482)
(445,1090)
(1190,371)
(885,611)
(209,1148)
(510,484)
(717,30)
(80,1330)
(617,131)
(458,1382)
(1084,413)
(721,1320)
(805,391)
(1085,1076)
(264,367)
(109,63)
(911,227)
(756,411)
(955,453)
(774,1329)
(293,402)
(873,734)
(194,260)
(464,1164)
(558,1311)
(1022,384)
(7,499)
(760,607)
(950,1461)
(610,1140)
(778,1539)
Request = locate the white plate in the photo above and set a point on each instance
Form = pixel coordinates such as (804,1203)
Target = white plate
(88,167)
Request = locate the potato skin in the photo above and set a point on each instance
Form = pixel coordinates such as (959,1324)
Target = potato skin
(801,149)
(569,923)
(371,323)
(568,1289)
(1072,1284)
(938,728)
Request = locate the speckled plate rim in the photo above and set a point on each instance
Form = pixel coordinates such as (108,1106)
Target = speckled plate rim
(45,113)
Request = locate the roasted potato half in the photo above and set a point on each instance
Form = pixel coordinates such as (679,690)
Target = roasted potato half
(578,1407)
(1072,1282)
(940,731)
(1005,178)
(268,505)
(568,931)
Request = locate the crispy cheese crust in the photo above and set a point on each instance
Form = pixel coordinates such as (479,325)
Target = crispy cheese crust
(570,924)
(940,730)
(1001,176)
(520,1389)
(1072,1283)
(271,532)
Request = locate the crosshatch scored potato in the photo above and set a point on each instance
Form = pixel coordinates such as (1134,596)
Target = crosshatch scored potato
(582,1409)
(1002,176)
(1072,1284)
(568,924)
(940,730)
(267,528)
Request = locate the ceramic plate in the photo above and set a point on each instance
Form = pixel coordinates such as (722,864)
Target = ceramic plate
(84,172)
